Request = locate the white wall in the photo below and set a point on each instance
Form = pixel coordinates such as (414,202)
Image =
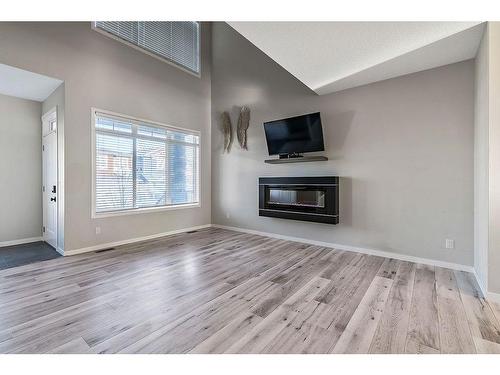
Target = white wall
(403,148)
(481,168)
(20,169)
(494,154)
(103,73)
(487,160)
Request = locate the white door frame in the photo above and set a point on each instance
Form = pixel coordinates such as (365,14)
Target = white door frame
(49,118)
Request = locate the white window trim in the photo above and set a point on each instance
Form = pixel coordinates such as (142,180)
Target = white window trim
(161,58)
(142,210)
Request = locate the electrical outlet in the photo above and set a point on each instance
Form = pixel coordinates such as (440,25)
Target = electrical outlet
(228,215)
(450,244)
(97,230)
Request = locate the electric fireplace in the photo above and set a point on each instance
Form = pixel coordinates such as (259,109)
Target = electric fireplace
(300,198)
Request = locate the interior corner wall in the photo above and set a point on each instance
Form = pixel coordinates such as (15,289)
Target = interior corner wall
(101,72)
(57,100)
(20,168)
(402,147)
(487,160)
(481,160)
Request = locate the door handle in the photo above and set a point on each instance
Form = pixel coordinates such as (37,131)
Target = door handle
(53,199)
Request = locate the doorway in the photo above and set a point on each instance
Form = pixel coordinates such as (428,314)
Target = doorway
(31,179)
(49,177)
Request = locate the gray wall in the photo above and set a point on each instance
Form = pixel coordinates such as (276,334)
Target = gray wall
(481,160)
(403,147)
(103,73)
(20,168)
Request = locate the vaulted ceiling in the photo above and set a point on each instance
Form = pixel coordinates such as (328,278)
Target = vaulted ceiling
(333,56)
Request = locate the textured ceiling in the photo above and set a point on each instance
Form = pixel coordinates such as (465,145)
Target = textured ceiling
(333,56)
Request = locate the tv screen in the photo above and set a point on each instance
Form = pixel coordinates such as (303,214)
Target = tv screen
(294,135)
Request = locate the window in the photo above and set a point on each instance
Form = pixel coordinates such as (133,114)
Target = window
(176,42)
(139,165)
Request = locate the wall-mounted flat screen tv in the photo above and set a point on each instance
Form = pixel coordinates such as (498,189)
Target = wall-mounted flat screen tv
(294,135)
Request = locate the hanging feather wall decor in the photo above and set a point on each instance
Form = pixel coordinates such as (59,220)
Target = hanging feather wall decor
(227,131)
(243,124)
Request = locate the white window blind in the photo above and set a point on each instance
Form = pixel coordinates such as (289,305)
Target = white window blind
(178,42)
(140,165)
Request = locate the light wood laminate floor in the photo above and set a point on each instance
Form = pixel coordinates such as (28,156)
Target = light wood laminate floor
(218,291)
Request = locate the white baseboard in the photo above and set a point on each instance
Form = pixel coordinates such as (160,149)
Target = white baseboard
(60,251)
(493,297)
(20,241)
(481,286)
(131,240)
(381,253)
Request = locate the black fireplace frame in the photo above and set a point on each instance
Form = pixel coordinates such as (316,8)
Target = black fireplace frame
(329,184)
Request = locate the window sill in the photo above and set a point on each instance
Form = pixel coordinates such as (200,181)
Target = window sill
(146,210)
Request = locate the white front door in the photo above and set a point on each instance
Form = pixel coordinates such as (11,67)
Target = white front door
(49,180)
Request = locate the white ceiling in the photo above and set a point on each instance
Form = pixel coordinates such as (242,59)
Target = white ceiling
(24,84)
(333,56)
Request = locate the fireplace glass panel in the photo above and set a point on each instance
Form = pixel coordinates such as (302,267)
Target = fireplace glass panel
(302,197)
